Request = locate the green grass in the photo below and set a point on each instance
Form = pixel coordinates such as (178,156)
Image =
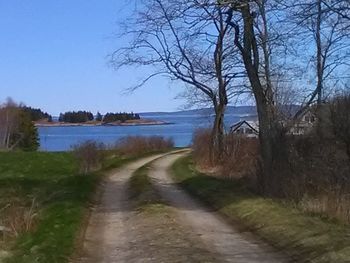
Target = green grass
(142,192)
(305,237)
(61,194)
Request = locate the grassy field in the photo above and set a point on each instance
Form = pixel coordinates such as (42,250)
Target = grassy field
(307,238)
(43,200)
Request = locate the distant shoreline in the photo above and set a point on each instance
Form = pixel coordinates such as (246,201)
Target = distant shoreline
(142,122)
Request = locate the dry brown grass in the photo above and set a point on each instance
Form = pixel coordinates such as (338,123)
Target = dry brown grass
(238,160)
(16,219)
(201,148)
(330,204)
(90,156)
(240,157)
(320,177)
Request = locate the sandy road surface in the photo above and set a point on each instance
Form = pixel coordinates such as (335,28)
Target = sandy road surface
(183,231)
(106,234)
(217,234)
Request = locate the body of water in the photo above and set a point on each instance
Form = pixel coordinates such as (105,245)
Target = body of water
(181,131)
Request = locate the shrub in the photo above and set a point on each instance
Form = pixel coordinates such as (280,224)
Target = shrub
(240,156)
(17,130)
(201,148)
(136,145)
(90,155)
(238,159)
(319,177)
(340,120)
(311,170)
(18,218)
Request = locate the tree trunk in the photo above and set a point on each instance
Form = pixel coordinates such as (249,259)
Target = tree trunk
(221,102)
(218,133)
(320,59)
(263,94)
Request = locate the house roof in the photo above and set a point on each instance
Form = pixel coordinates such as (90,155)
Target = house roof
(251,124)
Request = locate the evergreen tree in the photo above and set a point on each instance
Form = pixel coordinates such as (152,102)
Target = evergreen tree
(76,116)
(26,136)
(35,114)
(98,116)
(90,116)
(61,117)
(121,116)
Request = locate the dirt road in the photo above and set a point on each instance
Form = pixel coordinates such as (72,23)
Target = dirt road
(181,230)
(221,237)
(106,235)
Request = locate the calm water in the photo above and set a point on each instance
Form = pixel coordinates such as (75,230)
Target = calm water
(62,138)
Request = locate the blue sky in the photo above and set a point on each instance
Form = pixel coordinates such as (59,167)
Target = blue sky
(53,56)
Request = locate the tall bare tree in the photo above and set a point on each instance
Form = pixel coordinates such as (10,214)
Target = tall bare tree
(241,16)
(9,114)
(323,34)
(187,41)
(341,7)
(253,27)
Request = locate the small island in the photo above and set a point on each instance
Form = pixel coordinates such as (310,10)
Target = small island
(85,118)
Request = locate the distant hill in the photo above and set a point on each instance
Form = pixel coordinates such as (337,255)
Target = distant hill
(231,110)
(239,111)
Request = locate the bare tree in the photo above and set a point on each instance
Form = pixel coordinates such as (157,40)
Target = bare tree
(323,35)
(253,27)
(341,7)
(9,115)
(187,41)
(241,16)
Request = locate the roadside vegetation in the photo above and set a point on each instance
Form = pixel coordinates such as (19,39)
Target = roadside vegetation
(311,170)
(305,236)
(44,198)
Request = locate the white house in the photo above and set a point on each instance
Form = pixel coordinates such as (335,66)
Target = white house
(304,125)
(247,128)
(251,128)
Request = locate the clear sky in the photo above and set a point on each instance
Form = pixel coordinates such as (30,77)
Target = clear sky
(53,55)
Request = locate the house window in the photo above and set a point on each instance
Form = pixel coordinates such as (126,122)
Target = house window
(248,131)
(240,131)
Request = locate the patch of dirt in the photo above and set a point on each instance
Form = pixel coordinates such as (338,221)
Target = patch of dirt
(158,236)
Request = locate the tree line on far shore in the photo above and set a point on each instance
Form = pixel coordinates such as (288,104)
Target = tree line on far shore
(85,116)
(36,114)
(17,123)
